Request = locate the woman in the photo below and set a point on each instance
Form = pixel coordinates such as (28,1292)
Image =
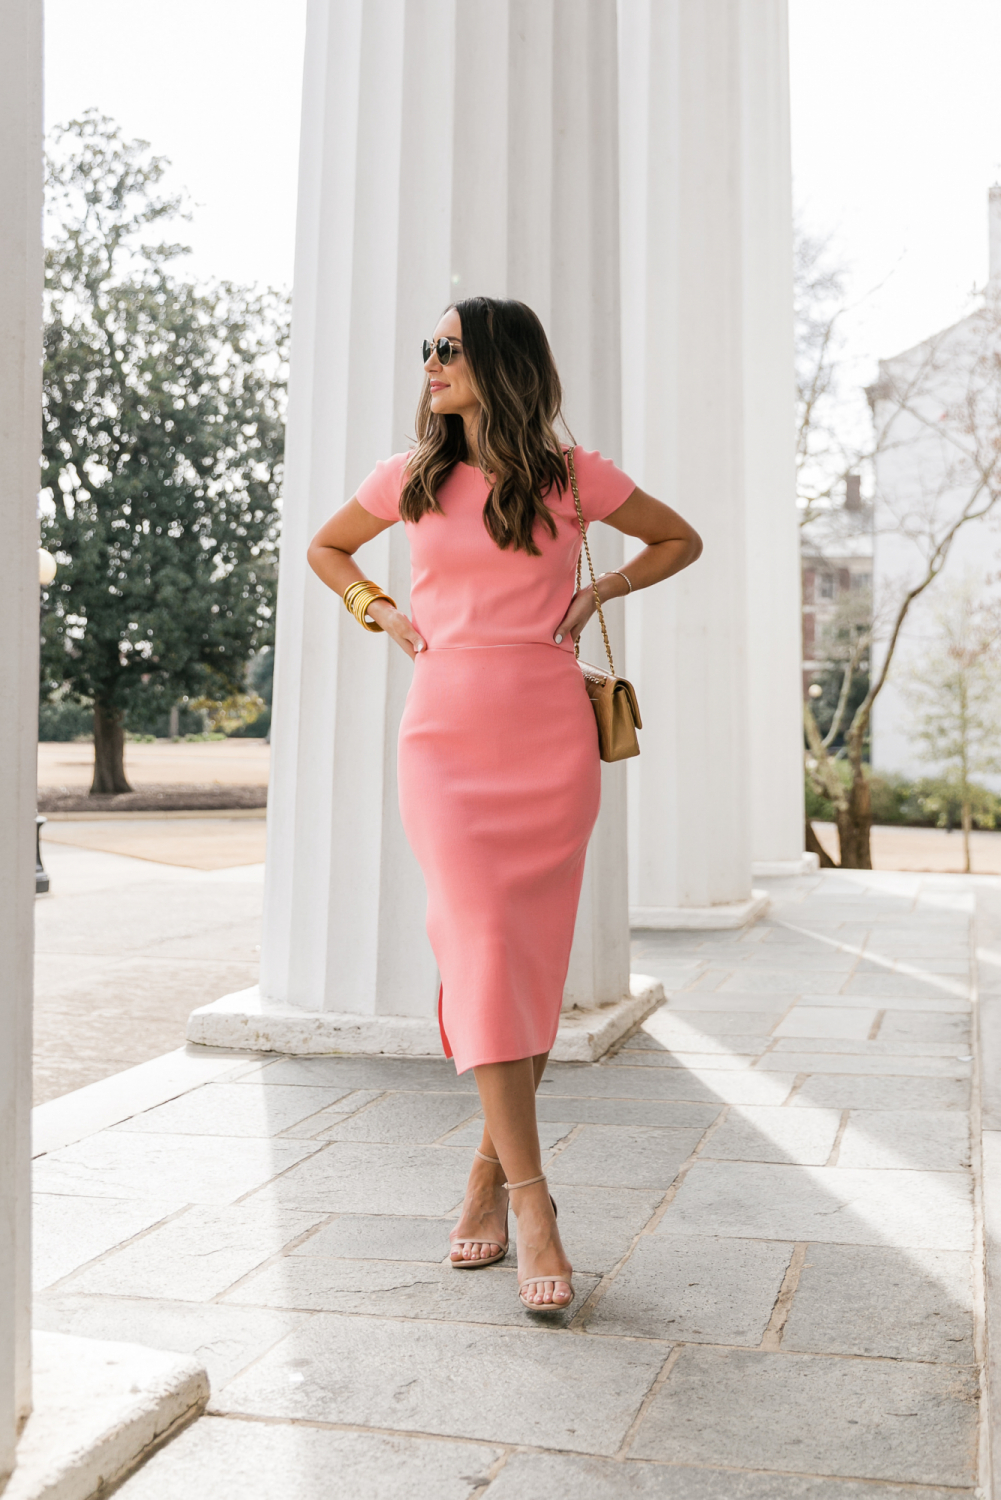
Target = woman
(498,759)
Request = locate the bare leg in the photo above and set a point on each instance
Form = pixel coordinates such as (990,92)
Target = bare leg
(507,1093)
(484,1211)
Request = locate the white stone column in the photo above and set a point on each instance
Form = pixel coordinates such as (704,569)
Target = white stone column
(504,184)
(20,441)
(692,127)
(774,610)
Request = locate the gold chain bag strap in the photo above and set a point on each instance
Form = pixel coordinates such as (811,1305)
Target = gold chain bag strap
(613,698)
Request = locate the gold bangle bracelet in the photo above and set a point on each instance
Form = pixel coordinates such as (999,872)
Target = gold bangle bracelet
(358,596)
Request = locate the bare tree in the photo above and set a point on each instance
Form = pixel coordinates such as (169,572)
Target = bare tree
(941,403)
(955,691)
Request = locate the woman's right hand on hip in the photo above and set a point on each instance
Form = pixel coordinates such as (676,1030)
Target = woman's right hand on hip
(396,625)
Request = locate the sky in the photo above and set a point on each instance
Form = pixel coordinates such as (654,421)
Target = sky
(214,85)
(896,127)
(896,115)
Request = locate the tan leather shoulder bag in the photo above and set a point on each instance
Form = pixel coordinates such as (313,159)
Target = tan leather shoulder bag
(613,698)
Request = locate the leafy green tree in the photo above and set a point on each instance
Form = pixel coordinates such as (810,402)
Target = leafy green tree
(163,443)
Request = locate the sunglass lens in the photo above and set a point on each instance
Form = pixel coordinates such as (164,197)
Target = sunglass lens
(444,351)
(426,350)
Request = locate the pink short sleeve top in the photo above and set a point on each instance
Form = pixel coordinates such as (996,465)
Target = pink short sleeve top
(468,592)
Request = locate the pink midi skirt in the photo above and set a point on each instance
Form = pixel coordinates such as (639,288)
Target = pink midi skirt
(500,784)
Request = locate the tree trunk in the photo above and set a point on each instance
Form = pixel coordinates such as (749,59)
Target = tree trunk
(109,752)
(855,824)
(814,846)
(967,824)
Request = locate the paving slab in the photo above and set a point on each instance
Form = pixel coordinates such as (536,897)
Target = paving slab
(751,1133)
(924,1026)
(844,1091)
(602,1156)
(859,1419)
(454,1380)
(406,1074)
(720,1057)
(782,982)
(546,1476)
(888,1303)
(197,1255)
(626,1111)
(359,1177)
(257,1461)
(937,1140)
(183,1168)
(670,1020)
(911,1005)
(882,1048)
(379,1237)
(806,959)
(227,1109)
(827,1021)
(695,1290)
(703,1003)
(67,1232)
(757,1200)
(880,984)
(224,1339)
(896,1065)
(717,1087)
(688,1043)
(404,1118)
(383,1289)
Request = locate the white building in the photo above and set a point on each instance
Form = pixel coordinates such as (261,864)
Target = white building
(937,415)
(836,552)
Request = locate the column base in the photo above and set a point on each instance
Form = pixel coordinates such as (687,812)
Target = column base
(247,1023)
(806,864)
(700,918)
(99,1410)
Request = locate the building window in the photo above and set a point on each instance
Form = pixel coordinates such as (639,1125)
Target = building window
(825,585)
(861,580)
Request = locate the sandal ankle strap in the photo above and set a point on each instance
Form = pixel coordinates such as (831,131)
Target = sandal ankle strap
(529,1181)
(483,1156)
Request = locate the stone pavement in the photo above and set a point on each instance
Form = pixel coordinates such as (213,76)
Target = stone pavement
(766,1193)
(126,947)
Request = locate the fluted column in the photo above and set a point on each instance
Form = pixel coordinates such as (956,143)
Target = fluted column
(707,427)
(448,149)
(774,610)
(20,442)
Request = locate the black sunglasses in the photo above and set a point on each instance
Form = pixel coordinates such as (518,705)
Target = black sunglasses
(444,348)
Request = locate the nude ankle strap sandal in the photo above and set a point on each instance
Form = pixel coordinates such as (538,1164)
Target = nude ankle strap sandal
(486,1260)
(541,1307)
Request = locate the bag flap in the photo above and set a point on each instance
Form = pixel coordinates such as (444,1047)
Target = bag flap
(630,693)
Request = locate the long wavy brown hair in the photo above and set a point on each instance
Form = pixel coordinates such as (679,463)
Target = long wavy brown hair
(514,375)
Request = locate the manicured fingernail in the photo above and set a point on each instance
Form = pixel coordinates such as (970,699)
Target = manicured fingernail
(421,646)
(558,639)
